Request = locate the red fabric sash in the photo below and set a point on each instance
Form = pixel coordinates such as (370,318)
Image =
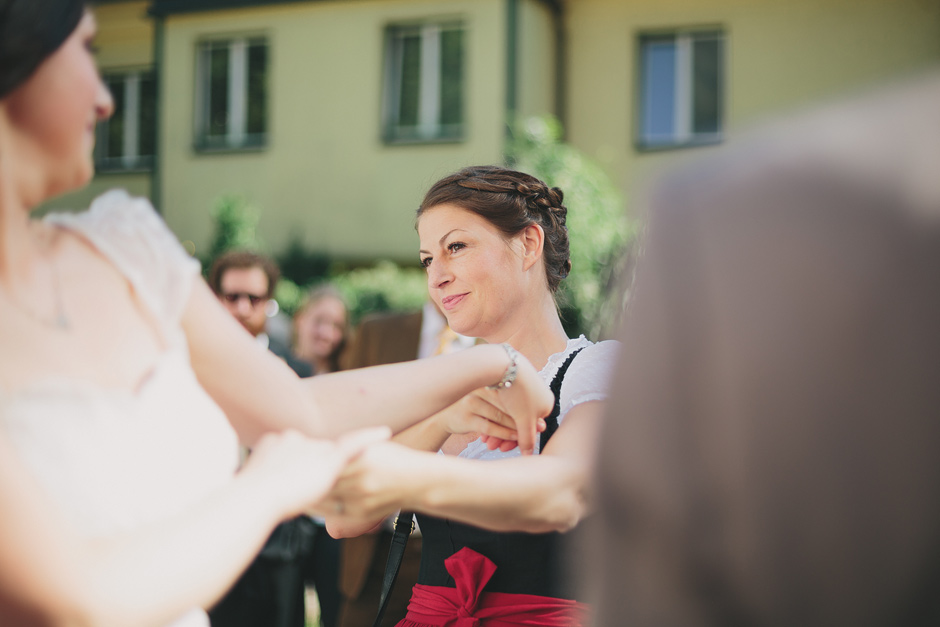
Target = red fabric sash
(468,606)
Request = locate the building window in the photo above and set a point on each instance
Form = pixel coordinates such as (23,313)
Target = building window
(681,88)
(126,140)
(231,94)
(423,98)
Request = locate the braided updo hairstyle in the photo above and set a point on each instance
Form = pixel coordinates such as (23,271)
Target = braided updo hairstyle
(510,201)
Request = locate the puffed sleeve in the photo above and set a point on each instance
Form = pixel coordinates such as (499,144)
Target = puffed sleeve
(588,377)
(129,232)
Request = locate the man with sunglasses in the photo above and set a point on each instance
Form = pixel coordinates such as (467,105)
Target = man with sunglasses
(271,591)
(244,281)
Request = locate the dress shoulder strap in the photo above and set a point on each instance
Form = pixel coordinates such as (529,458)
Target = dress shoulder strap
(552,420)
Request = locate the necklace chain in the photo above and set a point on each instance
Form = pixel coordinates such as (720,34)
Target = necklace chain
(60,319)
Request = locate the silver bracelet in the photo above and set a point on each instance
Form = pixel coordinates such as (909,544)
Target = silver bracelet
(511,370)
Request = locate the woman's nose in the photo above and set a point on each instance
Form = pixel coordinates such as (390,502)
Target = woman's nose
(438,275)
(104,102)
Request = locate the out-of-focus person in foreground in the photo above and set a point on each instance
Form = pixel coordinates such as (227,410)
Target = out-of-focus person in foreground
(769,456)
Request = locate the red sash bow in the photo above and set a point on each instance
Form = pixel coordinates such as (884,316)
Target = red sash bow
(468,606)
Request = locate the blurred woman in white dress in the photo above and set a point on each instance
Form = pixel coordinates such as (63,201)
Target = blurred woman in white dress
(125,387)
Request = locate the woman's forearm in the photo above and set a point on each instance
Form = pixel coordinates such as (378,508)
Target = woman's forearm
(260,394)
(533,494)
(154,575)
(399,395)
(427,435)
(546,492)
(52,576)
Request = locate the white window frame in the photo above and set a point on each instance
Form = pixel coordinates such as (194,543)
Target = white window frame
(683,106)
(131,159)
(236,136)
(429,128)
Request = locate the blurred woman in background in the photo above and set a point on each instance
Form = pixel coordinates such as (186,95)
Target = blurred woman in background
(321,329)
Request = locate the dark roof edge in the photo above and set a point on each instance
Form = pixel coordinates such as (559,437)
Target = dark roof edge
(162,8)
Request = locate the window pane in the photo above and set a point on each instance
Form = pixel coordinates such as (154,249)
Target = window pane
(658,60)
(218,90)
(410,80)
(451,77)
(148,115)
(706,85)
(115,145)
(257,81)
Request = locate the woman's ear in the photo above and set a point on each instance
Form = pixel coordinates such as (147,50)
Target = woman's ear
(533,239)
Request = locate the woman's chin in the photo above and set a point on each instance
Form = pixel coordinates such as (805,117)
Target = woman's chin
(82,175)
(464,329)
(323,352)
(79,179)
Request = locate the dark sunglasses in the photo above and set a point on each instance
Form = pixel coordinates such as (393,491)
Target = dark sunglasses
(234,297)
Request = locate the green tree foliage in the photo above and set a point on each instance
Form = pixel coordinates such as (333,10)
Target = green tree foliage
(598,229)
(235,226)
(384,287)
(379,288)
(303,266)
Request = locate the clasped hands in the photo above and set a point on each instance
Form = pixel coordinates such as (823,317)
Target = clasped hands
(383,479)
(357,475)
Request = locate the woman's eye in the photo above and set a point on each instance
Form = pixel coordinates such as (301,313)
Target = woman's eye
(455,246)
(425,262)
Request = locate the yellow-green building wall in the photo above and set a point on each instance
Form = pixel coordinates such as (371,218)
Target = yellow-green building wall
(779,56)
(536,61)
(325,177)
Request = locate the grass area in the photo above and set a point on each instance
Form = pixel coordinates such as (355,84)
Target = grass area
(313,609)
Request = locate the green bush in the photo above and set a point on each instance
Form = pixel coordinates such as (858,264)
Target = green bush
(598,229)
(303,266)
(235,226)
(384,287)
(289,296)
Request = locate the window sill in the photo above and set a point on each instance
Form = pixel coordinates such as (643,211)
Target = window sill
(202,149)
(417,141)
(109,171)
(642,146)
(141,167)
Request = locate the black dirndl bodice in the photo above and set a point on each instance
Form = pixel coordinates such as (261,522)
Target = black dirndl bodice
(527,563)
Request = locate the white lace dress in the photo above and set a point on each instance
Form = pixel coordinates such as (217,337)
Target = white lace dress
(116,459)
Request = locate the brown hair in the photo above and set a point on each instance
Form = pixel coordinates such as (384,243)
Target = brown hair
(30,31)
(510,201)
(315,295)
(241,259)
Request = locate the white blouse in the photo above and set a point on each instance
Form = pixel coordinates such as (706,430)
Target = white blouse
(116,459)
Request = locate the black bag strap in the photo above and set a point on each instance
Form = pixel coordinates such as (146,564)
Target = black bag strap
(551,422)
(404,525)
